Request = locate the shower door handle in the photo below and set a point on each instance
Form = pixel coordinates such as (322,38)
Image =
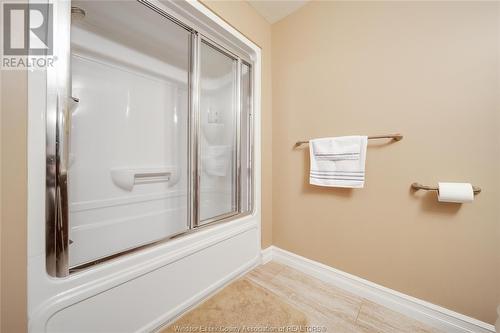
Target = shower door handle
(65,107)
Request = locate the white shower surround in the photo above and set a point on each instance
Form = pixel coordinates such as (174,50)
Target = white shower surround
(140,291)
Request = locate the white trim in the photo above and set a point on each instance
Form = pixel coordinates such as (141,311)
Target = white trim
(267,255)
(428,313)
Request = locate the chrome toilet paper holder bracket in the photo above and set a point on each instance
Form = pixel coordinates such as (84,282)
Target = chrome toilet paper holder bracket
(418,186)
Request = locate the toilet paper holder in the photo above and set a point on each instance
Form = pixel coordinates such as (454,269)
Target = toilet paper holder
(418,186)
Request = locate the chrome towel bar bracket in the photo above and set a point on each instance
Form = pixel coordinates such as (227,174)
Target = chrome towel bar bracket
(418,186)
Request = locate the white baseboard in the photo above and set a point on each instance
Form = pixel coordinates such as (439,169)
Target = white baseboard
(267,254)
(428,313)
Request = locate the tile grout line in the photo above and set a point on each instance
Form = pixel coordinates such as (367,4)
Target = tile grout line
(359,311)
(301,305)
(296,304)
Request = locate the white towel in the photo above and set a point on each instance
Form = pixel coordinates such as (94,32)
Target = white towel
(338,162)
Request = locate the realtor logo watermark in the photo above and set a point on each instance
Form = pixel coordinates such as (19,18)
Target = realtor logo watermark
(27,36)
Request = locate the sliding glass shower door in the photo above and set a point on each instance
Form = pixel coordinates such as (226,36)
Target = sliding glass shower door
(129,135)
(218,140)
(150,137)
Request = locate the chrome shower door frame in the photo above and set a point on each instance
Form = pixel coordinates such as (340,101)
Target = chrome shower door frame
(237,94)
(57,130)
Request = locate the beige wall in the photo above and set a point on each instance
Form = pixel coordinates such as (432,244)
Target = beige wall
(245,19)
(13,201)
(429,70)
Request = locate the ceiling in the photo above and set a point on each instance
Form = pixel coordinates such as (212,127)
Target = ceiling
(275,10)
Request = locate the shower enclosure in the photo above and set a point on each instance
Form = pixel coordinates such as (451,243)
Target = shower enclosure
(149,133)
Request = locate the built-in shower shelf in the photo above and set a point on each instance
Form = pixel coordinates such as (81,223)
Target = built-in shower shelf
(127,178)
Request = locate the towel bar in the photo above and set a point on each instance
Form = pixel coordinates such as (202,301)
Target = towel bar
(395,137)
(418,186)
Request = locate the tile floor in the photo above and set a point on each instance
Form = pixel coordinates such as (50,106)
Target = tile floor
(331,307)
(327,306)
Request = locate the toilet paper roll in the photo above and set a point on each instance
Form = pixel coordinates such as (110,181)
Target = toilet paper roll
(455,192)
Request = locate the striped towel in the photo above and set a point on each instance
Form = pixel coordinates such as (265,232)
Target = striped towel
(338,162)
